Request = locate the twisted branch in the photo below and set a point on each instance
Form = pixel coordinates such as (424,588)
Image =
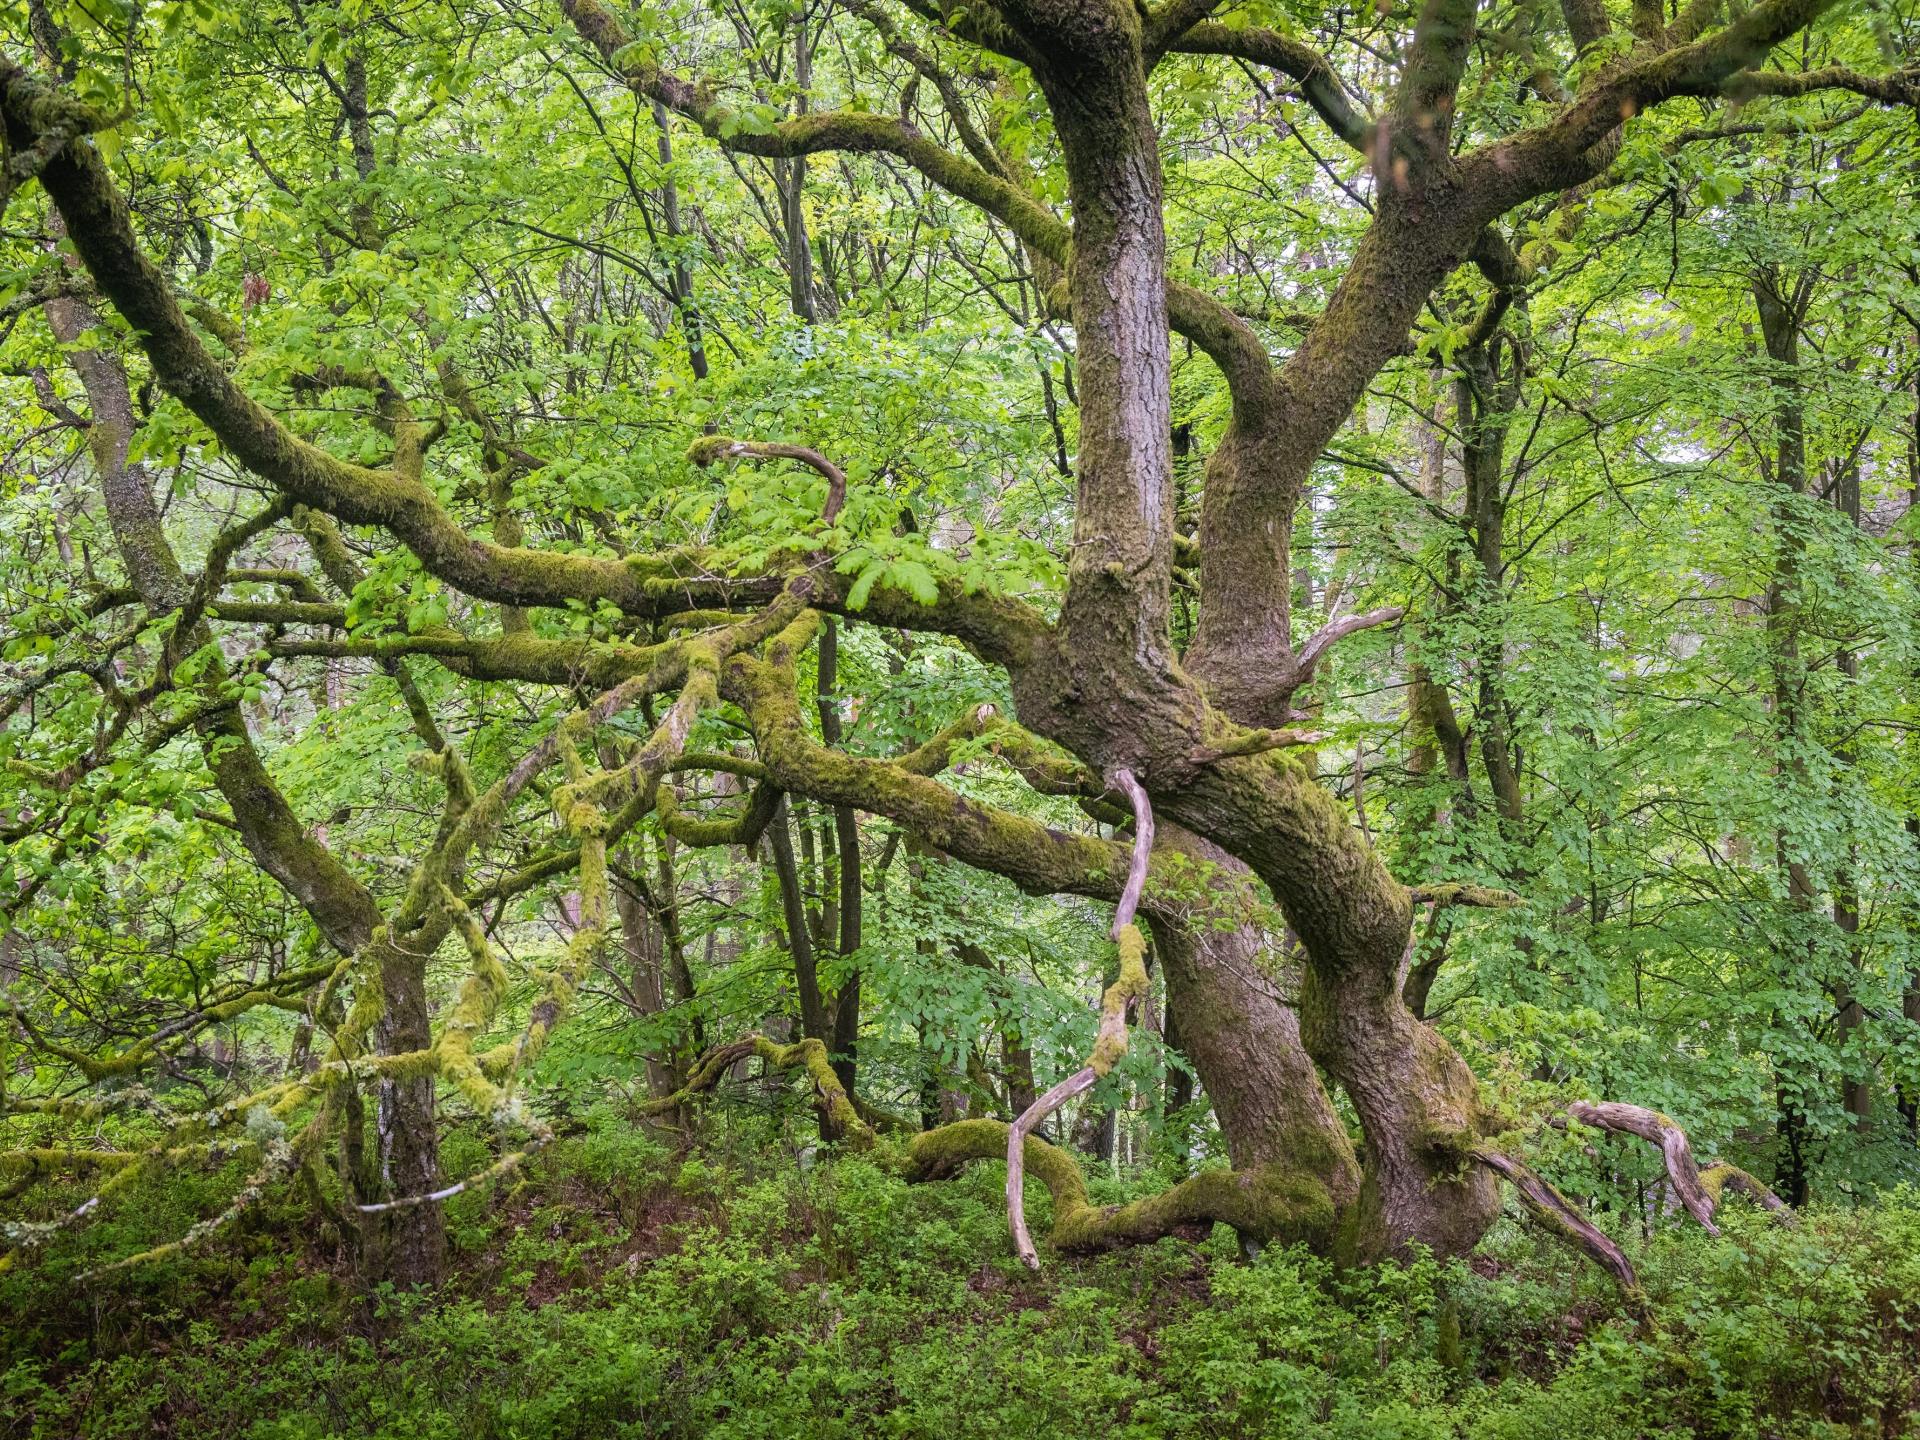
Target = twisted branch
(1111,1043)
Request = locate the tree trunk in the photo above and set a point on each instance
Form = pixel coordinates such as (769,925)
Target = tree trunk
(1780,307)
(1243,1039)
(644,943)
(793,908)
(848,880)
(1107,686)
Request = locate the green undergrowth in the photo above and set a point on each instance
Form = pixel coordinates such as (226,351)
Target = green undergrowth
(615,1289)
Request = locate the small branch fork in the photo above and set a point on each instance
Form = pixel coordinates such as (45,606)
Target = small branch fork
(1111,1043)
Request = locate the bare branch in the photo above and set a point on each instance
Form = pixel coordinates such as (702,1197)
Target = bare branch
(1482,896)
(1309,655)
(1127,989)
(1559,1214)
(1123,913)
(1077,1083)
(1698,1190)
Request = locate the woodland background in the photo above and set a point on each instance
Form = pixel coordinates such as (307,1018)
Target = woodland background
(1656,676)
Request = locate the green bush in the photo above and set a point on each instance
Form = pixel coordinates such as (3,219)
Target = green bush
(638,1296)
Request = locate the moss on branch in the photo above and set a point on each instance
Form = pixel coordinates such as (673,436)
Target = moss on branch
(840,1118)
(1267,1204)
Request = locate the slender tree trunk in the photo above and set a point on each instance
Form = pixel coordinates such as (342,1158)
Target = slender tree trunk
(407,1245)
(1016,1065)
(1178,1093)
(690,323)
(1856,1087)
(793,908)
(643,942)
(1780,307)
(1487,396)
(790,180)
(848,880)
(1909,1102)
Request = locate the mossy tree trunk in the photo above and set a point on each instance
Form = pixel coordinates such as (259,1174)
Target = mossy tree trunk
(1109,686)
(1105,680)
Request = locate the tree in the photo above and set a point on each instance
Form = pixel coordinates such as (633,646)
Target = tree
(1118,686)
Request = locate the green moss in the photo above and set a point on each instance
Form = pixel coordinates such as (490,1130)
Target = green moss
(1272,1203)
(709,449)
(1131,986)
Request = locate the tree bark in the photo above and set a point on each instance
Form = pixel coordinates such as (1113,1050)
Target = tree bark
(1780,306)
(1244,1043)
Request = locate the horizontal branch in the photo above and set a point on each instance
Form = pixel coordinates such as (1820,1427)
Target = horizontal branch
(1040,859)
(840,1120)
(1462,893)
(709,449)
(1319,85)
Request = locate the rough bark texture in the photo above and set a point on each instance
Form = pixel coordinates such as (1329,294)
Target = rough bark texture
(1244,1042)
(1106,680)
(1107,686)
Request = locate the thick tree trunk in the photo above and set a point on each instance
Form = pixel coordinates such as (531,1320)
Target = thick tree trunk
(1244,1041)
(1108,686)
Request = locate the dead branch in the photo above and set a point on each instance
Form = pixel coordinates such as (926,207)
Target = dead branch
(710,448)
(1699,1192)
(1111,1043)
(1560,1215)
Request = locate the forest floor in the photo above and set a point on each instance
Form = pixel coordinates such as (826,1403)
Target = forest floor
(613,1288)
